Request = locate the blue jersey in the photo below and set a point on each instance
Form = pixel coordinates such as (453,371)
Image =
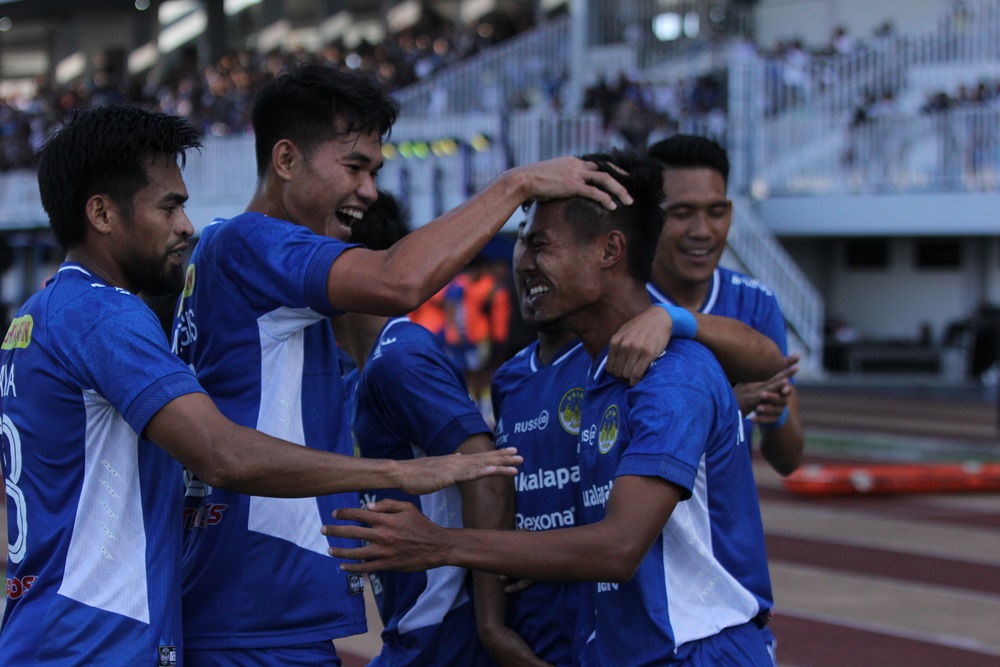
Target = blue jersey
(679,423)
(253,324)
(411,402)
(537,408)
(742,298)
(93,508)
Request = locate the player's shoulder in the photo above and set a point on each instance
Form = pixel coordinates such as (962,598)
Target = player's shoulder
(89,297)
(518,366)
(404,343)
(685,362)
(734,280)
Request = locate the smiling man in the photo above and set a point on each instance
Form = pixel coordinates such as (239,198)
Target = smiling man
(95,408)
(686,273)
(253,322)
(666,491)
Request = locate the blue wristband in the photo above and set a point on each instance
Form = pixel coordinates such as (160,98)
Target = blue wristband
(782,418)
(685,326)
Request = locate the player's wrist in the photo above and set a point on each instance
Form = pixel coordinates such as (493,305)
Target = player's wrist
(685,324)
(779,422)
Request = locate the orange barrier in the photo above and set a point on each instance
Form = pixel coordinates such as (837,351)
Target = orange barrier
(860,479)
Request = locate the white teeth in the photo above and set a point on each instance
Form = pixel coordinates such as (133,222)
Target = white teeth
(351,213)
(696,253)
(538,289)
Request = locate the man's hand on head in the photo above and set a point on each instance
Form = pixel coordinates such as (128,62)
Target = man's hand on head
(565,177)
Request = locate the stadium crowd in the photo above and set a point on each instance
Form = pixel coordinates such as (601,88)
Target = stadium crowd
(217,99)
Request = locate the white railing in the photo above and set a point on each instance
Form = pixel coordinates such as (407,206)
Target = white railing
(968,34)
(957,149)
(491,81)
(755,247)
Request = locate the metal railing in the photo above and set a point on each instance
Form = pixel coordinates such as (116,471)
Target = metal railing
(954,150)
(755,247)
(967,34)
(503,76)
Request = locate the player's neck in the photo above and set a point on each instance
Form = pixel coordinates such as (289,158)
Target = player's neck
(100,265)
(690,295)
(550,342)
(595,325)
(357,333)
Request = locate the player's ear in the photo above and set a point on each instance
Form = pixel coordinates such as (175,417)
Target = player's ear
(101,212)
(612,248)
(284,155)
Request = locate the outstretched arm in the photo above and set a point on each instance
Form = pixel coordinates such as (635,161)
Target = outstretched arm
(401,538)
(192,430)
(397,280)
(743,353)
(489,503)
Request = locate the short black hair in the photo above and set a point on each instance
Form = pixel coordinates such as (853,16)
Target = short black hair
(312,104)
(641,223)
(685,151)
(385,222)
(104,150)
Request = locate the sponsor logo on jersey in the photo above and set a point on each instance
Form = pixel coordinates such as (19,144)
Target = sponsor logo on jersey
(166,656)
(538,423)
(501,438)
(597,496)
(204,516)
(19,333)
(188,281)
(18,586)
(355,584)
(569,410)
(608,434)
(606,586)
(751,283)
(548,521)
(546,479)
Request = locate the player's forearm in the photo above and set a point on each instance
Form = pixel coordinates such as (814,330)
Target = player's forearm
(782,447)
(423,262)
(265,466)
(567,554)
(745,355)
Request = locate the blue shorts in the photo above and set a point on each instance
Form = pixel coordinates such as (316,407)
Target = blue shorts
(319,654)
(739,645)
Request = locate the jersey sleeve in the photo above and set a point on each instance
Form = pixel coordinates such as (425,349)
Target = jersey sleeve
(278,263)
(769,320)
(121,352)
(416,388)
(669,419)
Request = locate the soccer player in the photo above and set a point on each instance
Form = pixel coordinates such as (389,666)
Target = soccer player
(537,397)
(96,408)
(667,492)
(410,402)
(686,272)
(253,322)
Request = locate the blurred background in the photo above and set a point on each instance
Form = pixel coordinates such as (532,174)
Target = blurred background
(865,142)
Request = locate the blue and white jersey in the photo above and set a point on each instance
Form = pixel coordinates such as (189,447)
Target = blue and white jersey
(537,408)
(411,402)
(253,324)
(742,298)
(93,508)
(679,423)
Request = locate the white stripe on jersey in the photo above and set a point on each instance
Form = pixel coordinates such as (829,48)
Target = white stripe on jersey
(444,589)
(106,559)
(702,597)
(282,341)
